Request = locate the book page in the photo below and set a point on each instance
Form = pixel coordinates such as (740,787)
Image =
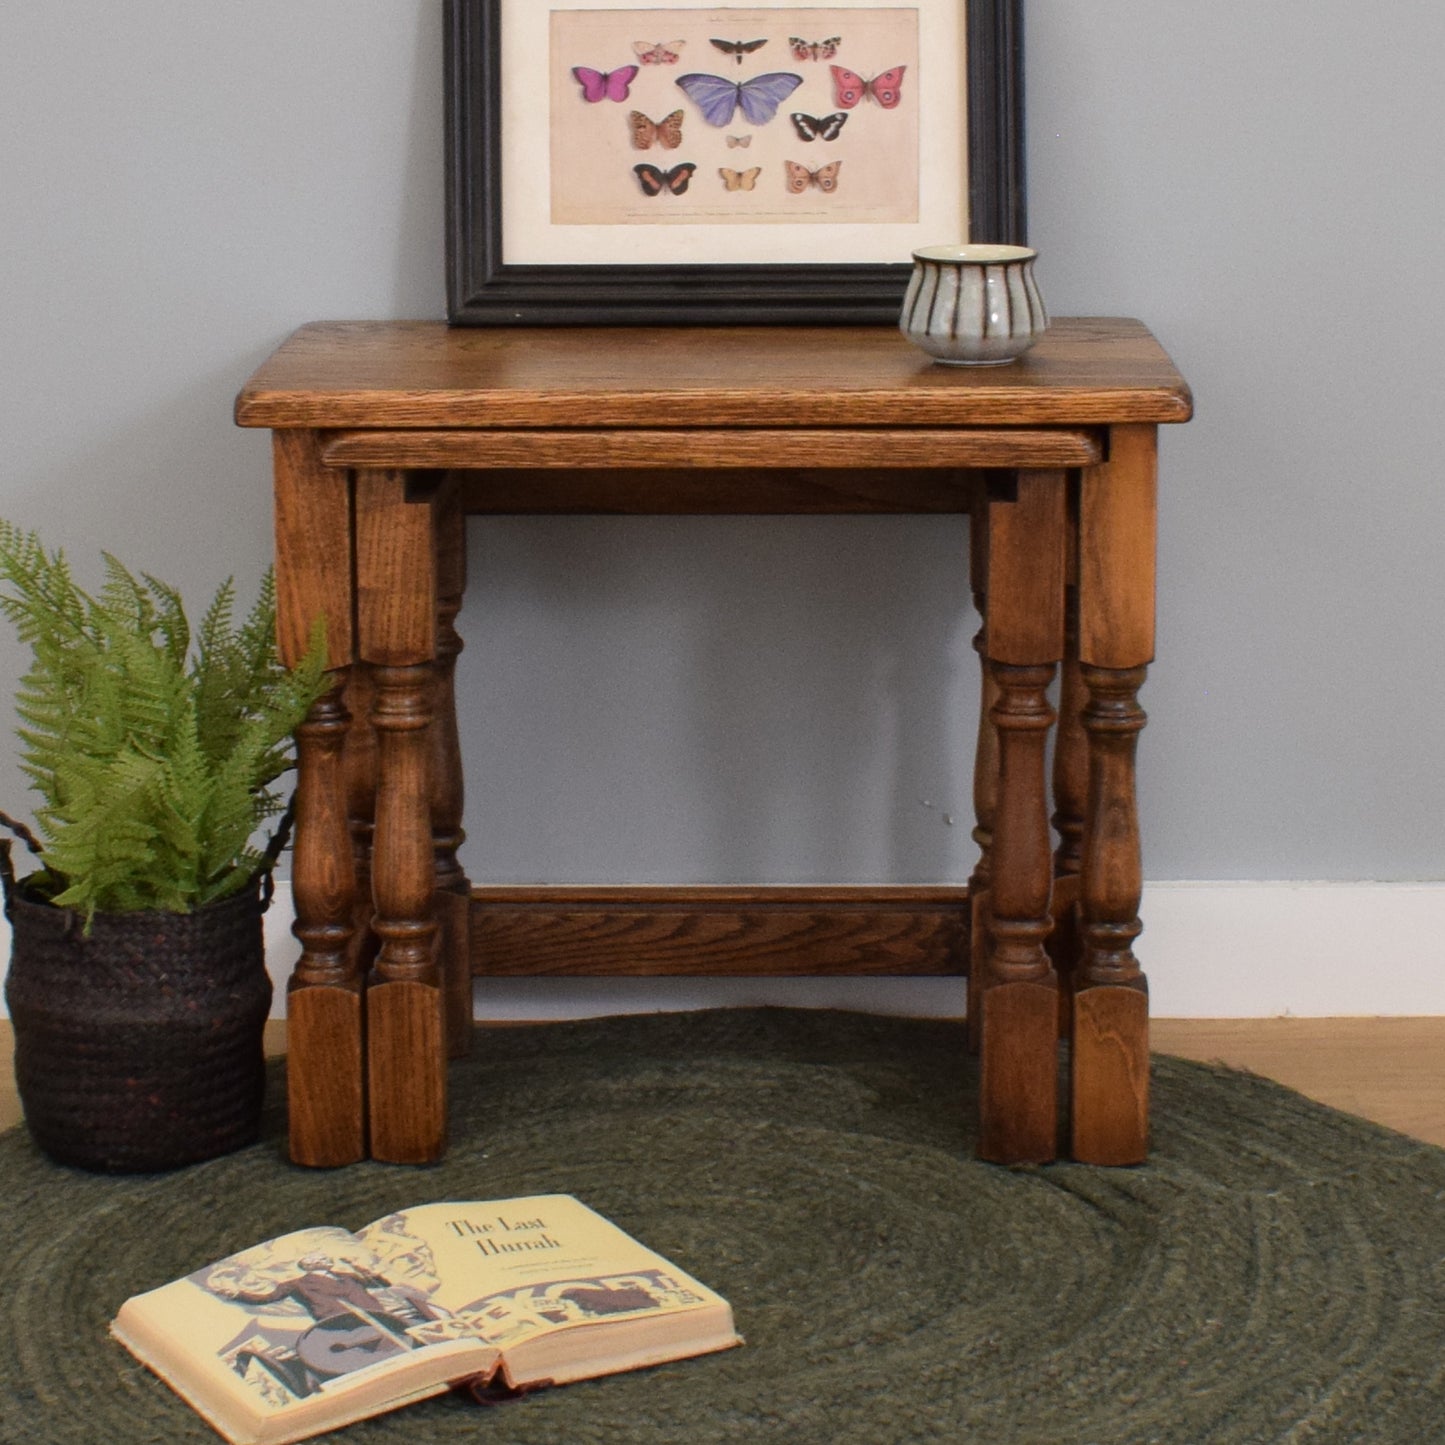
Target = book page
(297,1325)
(507,1271)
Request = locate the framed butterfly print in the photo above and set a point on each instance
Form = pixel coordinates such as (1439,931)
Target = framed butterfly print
(704,164)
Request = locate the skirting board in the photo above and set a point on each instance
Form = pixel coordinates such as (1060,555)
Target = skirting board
(1211,950)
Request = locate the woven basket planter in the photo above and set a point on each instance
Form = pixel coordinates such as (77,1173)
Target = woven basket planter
(138,1047)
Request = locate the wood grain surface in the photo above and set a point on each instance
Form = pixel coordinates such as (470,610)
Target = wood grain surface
(327,1086)
(312,511)
(1118,520)
(1109,1066)
(735,447)
(396,584)
(777,931)
(1023,642)
(1027,568)
(420,374)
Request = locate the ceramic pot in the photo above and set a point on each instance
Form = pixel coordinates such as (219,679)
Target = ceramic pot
(973,305)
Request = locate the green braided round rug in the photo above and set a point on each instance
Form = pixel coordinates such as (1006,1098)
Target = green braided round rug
(1275,1273)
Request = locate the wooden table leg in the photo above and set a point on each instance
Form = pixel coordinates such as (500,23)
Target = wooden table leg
(1111,1006)
(1070,793)
(324,1010)
(396,614)
(985,784)
(324,1072)
(1018,1094)
(358,759)
(453,900)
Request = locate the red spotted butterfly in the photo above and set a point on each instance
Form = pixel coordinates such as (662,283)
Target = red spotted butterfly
(613,85)
(815,49)
(886,87)
(666,132)
(665,52)
(812,127)
(799,177)
(654,182)
(739,48)
(758,98)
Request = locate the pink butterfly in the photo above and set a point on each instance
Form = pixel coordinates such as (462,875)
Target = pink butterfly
(798,177)
(665,52)
(814,49)
(886,87)
(614,85)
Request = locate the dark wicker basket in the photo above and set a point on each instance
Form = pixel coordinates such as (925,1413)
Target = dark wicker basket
(138,1047)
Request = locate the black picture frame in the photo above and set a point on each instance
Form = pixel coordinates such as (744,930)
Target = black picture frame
(483,289)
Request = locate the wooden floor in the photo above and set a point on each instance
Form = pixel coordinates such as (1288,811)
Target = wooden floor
(1391,1070)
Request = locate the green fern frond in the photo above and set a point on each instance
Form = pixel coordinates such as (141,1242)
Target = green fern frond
(214,646)
(152,747)
(170,619)
(124,601)
(257,636)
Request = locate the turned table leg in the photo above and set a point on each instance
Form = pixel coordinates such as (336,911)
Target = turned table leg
(1018,1091)
(1070,793)
(396,614)
(325,1010)
(452,904)
(325,1096)
(985,784)
(1116,624)
(358,760)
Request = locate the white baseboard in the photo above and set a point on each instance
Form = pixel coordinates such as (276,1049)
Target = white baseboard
(1211,950)
(1314,950)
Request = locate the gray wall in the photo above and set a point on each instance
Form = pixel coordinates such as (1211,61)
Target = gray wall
(790,700)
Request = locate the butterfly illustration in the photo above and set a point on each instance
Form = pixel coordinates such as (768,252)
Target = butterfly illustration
(799,178)
(613,85)
(886,87)
(665,52)
(813,127)
(758,98)
(739,48)
(654,182)
(739,140)
(739,180)
(666,132)
(816,49)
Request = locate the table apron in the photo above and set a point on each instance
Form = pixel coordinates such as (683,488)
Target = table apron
(726,449)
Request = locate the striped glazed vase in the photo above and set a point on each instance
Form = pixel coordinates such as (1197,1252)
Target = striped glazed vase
(973,305)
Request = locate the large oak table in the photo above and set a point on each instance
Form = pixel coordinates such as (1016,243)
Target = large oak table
(386,434)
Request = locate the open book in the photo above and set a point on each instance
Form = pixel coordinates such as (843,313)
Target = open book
(315,1329)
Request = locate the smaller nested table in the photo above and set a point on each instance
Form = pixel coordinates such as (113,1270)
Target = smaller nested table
(387,434)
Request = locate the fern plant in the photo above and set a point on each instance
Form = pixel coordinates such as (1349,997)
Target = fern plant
(153,757)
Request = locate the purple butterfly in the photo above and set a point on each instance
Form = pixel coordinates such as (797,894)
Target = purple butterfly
(597,86)
(759,97)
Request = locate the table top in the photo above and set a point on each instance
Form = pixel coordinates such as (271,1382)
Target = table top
(425,374)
